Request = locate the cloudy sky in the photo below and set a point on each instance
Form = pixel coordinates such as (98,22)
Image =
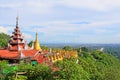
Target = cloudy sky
(63,21)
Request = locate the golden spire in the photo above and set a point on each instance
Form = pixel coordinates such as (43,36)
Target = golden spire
(36,44)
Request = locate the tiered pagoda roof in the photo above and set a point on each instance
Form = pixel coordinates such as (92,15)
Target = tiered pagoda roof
(17,41)
(18,48)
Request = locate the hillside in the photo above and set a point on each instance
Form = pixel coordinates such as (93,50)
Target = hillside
(94,65)
(113,49)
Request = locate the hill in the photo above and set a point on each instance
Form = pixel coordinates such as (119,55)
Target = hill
(90,65)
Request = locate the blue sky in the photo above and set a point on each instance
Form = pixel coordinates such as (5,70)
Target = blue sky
(63,21)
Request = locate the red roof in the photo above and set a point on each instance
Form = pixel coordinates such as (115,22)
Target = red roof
(28,53)
(34,54)
(8,54)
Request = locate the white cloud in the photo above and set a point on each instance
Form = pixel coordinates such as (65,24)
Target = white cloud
(37,7)
(10,29)
(65,27)
(3,30)
(99,5)
(117,35)
(29,6)
(7,29)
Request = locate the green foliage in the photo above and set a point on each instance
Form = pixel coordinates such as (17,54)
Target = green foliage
(67,48)
(4,38)
(37,72)
(41,72)
(114,50)
(84,49)
(20,77)
(94,65)
(69,70)
(30,43)
(8,71)
(44,48)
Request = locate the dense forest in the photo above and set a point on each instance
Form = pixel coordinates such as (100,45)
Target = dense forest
(113,49)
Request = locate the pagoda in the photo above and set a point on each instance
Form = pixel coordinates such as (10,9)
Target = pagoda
(36,43)
(17,41)
(18,50)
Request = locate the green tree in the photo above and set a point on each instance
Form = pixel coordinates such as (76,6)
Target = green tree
(4,38)
(67,48)
(30,43)
(84,49)
(8,72)
(37,72)
(44,48)
(70,70)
